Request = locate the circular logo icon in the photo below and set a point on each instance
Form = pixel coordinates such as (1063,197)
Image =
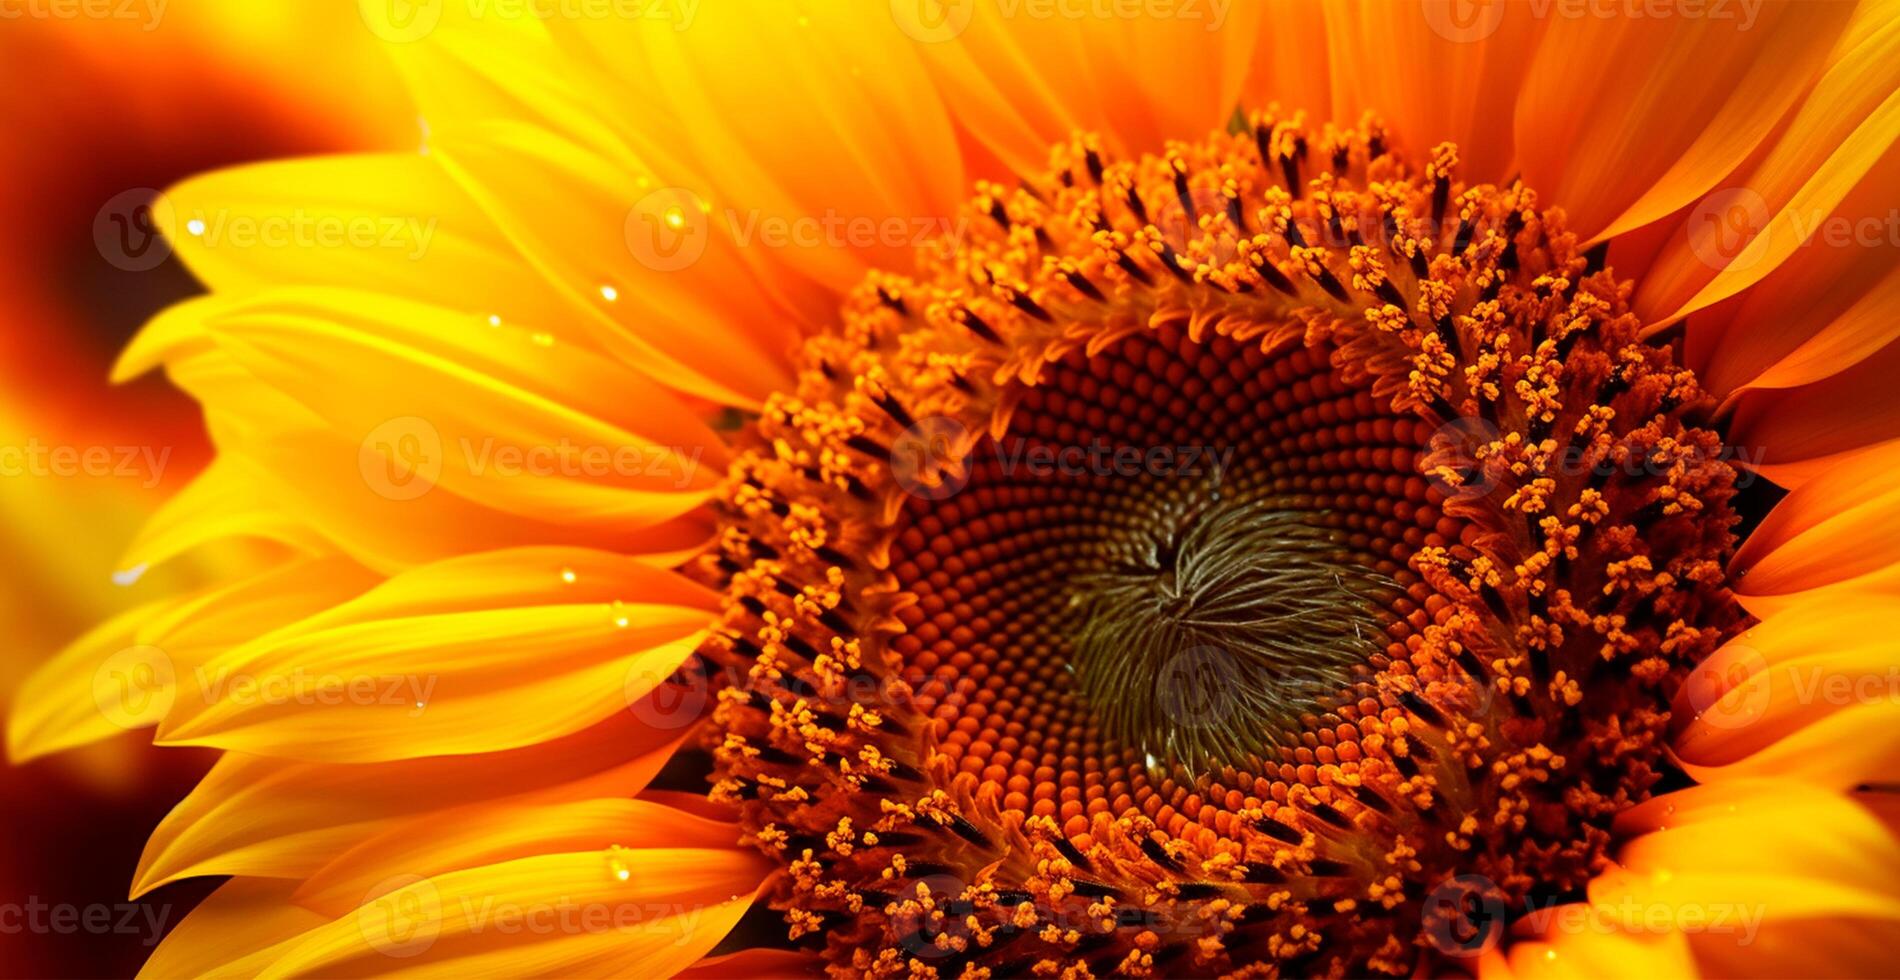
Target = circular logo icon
(1463,21)
(932,21)
(667,230)
(1730,690)
(1453,461)
(1197,687)
(1464,916)
(135,687)
(400,21)
(401,459)
(927,458)
(1181,228)
(669,700)
(925,930)
(401,916)
(133,229)
(1729,229)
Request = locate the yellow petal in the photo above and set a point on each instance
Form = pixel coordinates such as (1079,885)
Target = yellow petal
(1623,120)
(476,654)
(1840,529)
(555,914)
(231,933)
(1782,879)
(375,494)
(1438,71)
(540,428)
(130,671)
(392,223)
(782,72)
(219,503)
(1766,216)
(610,220)
(253,815)
(472,836)
(1810,694)
(102,684)
(1137,78)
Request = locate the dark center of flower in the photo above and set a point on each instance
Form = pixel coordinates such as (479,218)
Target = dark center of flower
(1210,635)
(1206,564)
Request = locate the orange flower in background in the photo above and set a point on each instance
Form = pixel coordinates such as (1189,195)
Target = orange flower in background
(972,489)
(102,107)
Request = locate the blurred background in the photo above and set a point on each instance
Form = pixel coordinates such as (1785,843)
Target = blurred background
(102,104)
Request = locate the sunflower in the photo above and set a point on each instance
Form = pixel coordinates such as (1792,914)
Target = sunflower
(1354,489)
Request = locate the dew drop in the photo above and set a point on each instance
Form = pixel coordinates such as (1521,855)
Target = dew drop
(568,576)
(609,293)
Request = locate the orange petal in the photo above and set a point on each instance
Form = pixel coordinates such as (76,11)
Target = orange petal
(1437,71)
(232,933)
(1023,83)
(1840,529)
(472,836)
(253,815)
(1810,694)
(554,914)
(1760,227)
(1623,120)
(477,654)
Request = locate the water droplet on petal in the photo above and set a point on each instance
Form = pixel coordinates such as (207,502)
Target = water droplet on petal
(568,576)
(609,293)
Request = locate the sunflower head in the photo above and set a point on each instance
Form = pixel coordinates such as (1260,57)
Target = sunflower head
(1176,594)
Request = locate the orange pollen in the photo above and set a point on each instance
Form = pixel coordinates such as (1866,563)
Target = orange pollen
(1213,561)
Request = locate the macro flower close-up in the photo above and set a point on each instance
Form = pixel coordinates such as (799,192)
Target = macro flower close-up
(1021,488)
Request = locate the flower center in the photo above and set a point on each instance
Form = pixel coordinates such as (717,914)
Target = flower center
(1206,562)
